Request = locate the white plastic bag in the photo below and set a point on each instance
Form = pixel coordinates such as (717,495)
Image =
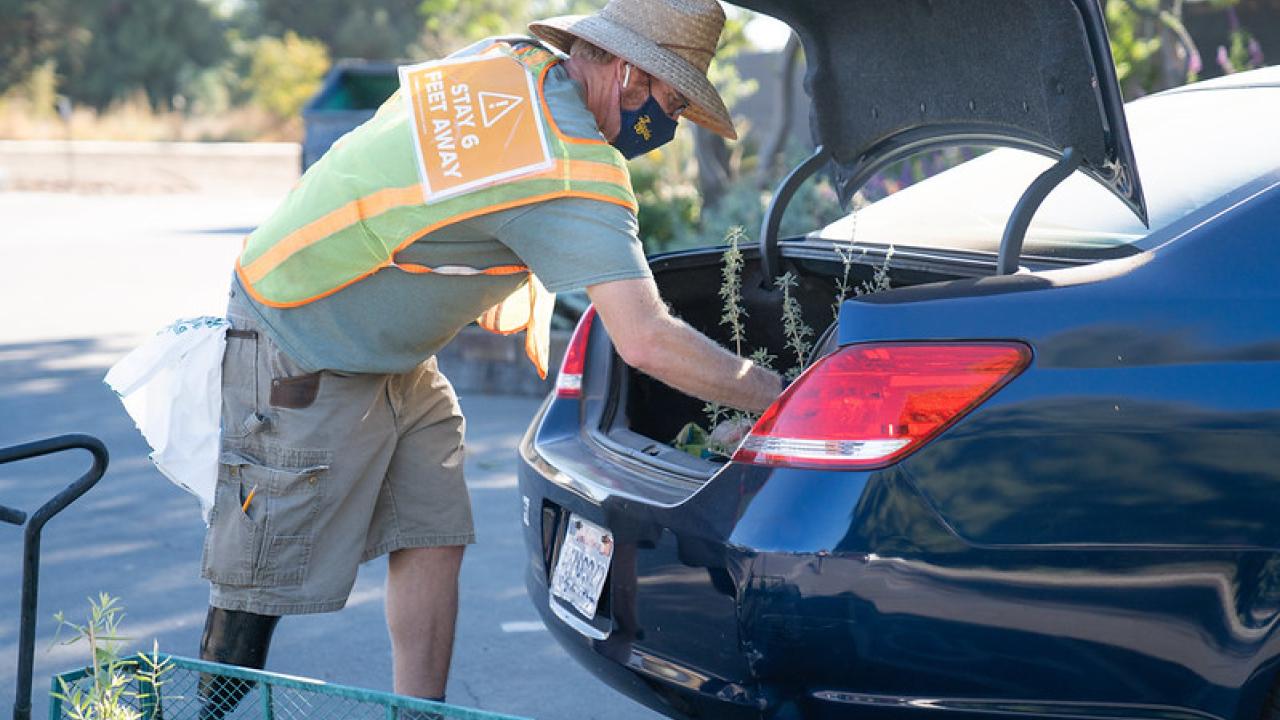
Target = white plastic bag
(171,386)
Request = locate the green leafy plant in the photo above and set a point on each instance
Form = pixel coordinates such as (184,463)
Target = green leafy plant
(878,281)
(731,289)
(848,251)
(733,316)
(109,694)
(796,330)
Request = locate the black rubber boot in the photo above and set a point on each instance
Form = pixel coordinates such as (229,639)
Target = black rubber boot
(231,637)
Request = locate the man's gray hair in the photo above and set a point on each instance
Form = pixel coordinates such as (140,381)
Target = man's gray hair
(589,52)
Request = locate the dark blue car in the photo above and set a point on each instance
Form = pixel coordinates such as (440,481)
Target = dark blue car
(1039,477)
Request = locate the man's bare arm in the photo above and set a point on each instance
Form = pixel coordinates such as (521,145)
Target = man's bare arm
(649,339)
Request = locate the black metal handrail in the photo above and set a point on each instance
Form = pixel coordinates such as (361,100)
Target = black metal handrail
(31,542)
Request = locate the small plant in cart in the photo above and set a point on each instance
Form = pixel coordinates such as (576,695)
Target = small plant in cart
(109,692)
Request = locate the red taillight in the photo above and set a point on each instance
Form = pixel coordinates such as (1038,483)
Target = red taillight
(871,405)
(569,381)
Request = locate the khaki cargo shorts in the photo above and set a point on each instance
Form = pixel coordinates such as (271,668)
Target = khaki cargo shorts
(320,472)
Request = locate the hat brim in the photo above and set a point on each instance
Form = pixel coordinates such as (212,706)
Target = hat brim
(706,107)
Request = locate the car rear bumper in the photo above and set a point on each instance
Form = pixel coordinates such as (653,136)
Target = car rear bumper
(665,686)
(669,594)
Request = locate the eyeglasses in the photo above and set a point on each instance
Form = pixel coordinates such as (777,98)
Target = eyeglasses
(681,103)
(673,98)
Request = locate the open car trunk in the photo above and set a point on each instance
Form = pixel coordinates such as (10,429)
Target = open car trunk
(889,79)
(642,417)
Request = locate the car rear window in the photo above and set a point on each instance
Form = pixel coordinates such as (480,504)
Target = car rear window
(1192,147)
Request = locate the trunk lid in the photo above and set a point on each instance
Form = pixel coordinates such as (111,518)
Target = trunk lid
(889,78)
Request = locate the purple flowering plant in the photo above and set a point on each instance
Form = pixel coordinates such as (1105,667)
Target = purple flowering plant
(1243,52)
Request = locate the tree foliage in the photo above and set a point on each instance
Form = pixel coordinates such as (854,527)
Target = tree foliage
(209,55)
(286,72)
(451,24)
(1135,45)
(153,45)
(375,29)
(1154,51)
(206,57)
(30,34)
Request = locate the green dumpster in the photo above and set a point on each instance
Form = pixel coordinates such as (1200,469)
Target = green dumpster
(349,95)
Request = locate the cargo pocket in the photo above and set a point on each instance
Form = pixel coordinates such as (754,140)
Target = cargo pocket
(231,541)
(240,415)
(263,524)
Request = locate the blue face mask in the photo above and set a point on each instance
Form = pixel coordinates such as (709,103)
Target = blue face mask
(644,129)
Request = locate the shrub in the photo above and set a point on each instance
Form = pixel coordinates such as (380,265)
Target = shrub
(286,72)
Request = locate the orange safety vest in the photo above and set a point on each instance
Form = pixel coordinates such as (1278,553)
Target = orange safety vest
(463,137)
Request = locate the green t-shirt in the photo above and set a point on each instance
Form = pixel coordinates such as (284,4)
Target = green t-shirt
(392,320)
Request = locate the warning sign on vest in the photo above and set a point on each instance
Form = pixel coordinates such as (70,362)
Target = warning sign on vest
(476,122)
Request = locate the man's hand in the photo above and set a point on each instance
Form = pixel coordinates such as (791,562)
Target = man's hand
(729,433)
(649,339)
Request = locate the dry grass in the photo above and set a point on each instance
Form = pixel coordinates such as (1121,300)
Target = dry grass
(24,119)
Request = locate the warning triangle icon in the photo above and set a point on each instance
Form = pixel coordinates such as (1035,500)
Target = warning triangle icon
(493,105)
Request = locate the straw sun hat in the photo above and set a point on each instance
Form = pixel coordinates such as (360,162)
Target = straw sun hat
(673,40)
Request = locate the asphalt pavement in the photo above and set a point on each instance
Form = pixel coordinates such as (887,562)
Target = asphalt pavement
(87,277)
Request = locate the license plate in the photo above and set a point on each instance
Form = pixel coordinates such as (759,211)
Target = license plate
(579,574)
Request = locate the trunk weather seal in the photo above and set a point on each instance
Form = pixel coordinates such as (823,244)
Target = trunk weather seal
(639,461)
(972,263)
